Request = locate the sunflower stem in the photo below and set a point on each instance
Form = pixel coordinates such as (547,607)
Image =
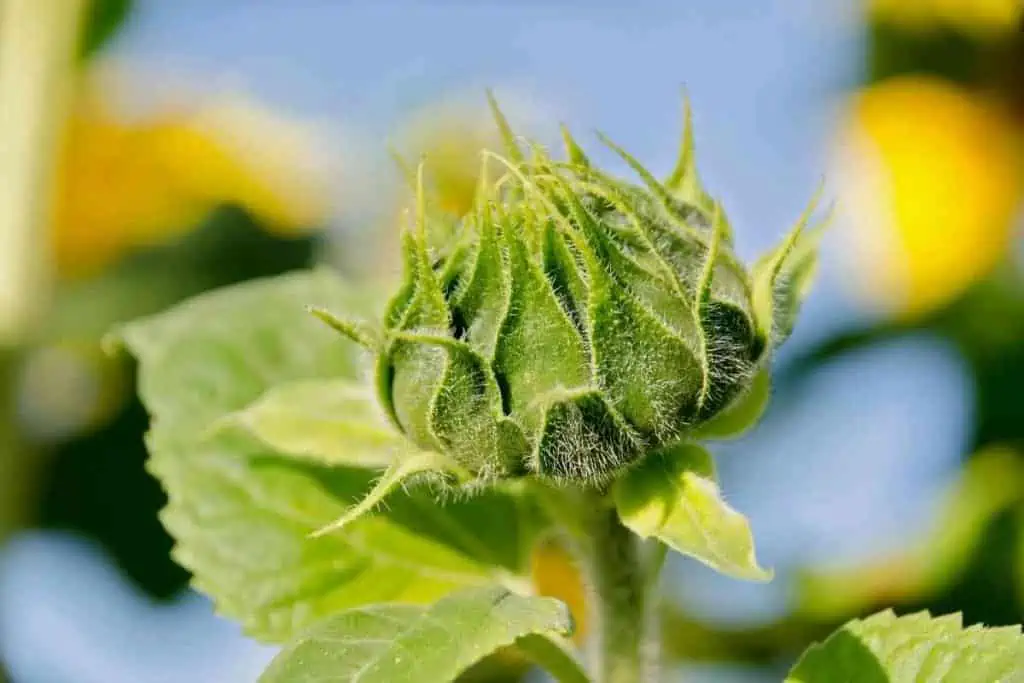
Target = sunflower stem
(626,650)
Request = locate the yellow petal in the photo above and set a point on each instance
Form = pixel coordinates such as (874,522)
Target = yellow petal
(931,178)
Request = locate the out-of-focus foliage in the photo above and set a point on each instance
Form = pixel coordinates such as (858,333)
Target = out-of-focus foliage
(992,483)
(153,203)
(102,21)
(982,16)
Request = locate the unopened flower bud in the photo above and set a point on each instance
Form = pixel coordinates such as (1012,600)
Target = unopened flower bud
(578,321)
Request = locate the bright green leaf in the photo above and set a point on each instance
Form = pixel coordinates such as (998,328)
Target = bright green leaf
(241,514)
(916,648)
(411,644)
(672,496)
(329,421)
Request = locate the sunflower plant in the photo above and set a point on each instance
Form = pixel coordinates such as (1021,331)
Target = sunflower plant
(377,492)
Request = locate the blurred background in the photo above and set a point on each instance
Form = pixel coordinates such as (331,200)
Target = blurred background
(151,150)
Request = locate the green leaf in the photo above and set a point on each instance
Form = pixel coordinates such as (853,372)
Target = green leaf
(328,421)
(103,20)
(742,414)
(672,496)
(241,512)
(407,643)
(916,648)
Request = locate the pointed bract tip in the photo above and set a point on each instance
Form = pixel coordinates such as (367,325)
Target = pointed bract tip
(572,148)
(408,174)
(359,332)
(508,138)
(421,202)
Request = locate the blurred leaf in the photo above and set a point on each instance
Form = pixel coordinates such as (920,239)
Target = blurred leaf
(328,421)
(916,648)
(672,496)
(103,20)
(242,515)
(984,18)
(946,52)
(406,643)
(230,246)
(991,481)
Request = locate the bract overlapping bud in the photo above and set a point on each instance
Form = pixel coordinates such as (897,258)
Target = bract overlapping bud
(577,321)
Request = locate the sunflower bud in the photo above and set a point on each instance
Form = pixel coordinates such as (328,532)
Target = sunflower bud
(577,321)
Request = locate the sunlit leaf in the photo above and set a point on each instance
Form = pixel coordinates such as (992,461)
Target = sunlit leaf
(328,421)
(916,648)
(672,496)
(409,644)
(241,512)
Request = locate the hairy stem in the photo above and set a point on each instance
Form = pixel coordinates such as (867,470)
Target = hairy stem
(627,645)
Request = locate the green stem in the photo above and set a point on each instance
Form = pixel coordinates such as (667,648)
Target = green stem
(627,646)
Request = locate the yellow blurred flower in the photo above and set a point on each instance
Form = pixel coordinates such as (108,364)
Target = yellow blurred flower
(450,137)
(982,16)
(123,183)
(556,574)
(932,182)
